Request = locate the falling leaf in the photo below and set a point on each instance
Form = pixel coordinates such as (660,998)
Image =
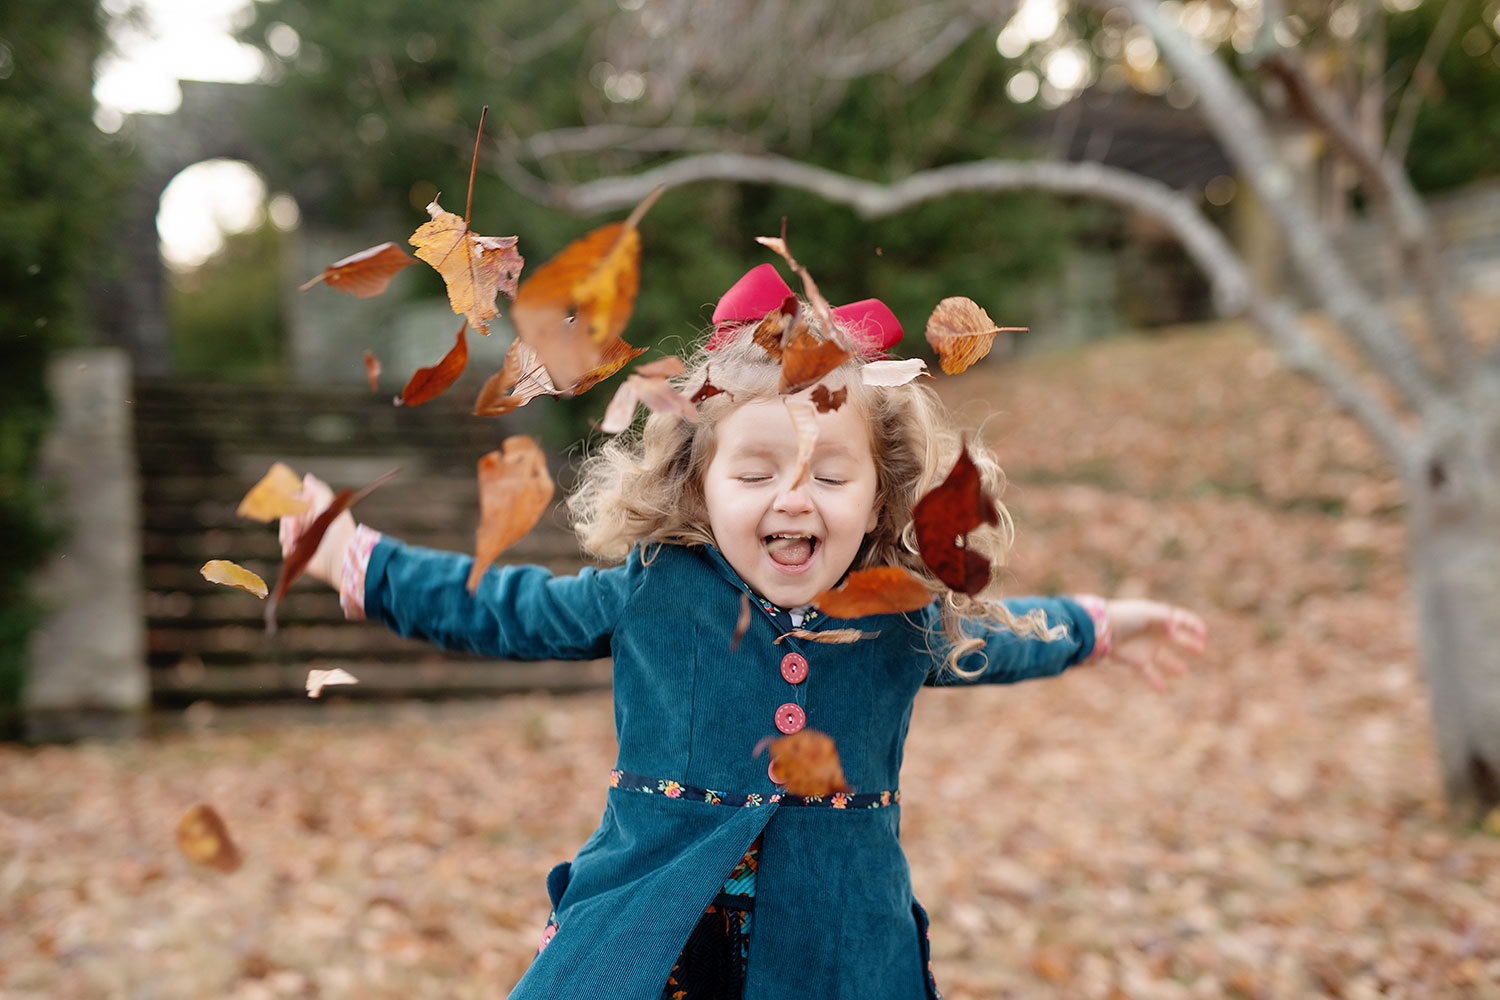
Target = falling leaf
(203,838)
(742,623)
(892,373)
(829,636)
(617,354)
(807,764)
(573,308)
(953,508)
(476,269)
(772,331)
(806,359)
(820,307)
(372,370)
(707,390)
(429,383)
(514,491)
(961,332)
(295,561)
(520,380)
(826,401)
(317,679)
(877,591)
(233,575)
(662,367)
(364,274)
(657,395)
(804,417)
(274,496)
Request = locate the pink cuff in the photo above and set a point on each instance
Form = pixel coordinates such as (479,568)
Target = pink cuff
(356,562)
(1098,609)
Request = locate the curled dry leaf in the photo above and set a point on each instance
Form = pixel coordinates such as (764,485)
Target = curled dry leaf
(880,590)
(805,359)
(476,269)
(520,380)
(890,373)
(805,423)
(962,332)
(317,679)
(364,274)
(429,383)
(233,575)
(573,308)
(772,331)
(815,299)
(707,390)
(942,518)
(806,763)
(617,354)
(372,370)
(656,395)
(827,401)
(203,838)
(274,496)
(742,623)
(514,491)
(829,636)
(662,367)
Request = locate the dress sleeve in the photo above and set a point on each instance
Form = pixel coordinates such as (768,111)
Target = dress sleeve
(517,612)
(1006,657)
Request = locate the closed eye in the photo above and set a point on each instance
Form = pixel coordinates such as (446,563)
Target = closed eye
(830,480)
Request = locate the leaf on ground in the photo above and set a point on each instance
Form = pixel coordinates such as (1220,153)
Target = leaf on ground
(573,308)
(476,269)
(827,401)
(892,373)
(805,359)
(804,416)
(514,491)
(274,496)
(655,394)
(306,546)
(877,591)
(233,575)
(317,679)
(806,763)
(364,274)
(962,332)
(741,623)
(520,380)
(428,384)
(204,839)
(952,509)
(372,370)
(828,636)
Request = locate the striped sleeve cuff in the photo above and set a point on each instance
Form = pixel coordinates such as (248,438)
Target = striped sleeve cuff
(1098,609)
(356,563)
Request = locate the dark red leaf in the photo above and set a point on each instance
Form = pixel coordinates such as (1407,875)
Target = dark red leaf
(956,506)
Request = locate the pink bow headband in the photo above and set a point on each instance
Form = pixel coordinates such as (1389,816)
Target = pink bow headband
(871,325)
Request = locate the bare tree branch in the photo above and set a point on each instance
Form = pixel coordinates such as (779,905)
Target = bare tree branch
(1245,136)
(594,138)
(1422,77)
(1232,288)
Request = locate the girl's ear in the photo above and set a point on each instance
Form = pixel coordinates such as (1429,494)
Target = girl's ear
(874,516)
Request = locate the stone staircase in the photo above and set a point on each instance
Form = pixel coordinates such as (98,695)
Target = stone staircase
(201,446)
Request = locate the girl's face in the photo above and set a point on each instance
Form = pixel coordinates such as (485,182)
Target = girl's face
(790,543)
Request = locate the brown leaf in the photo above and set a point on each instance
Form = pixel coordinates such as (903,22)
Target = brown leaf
(804,417)
(233,575)
(475,268)
(364,274)
(953,508)
(317,680)
(274,496)
(372,370)
(815,299)
(961,332)
(203,838)
(772,331)
(807,764)
(829,636)
(662,367)
(617,354)
(429,383)
(805,359)
(295,561)
(520,380)
(574,306)
(514,491)
(826,401)
(742,623)
(877,591)
(705,391)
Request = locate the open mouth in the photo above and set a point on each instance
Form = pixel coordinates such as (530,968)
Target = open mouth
(790,550)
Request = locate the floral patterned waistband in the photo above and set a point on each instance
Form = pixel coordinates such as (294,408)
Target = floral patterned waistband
(625,781)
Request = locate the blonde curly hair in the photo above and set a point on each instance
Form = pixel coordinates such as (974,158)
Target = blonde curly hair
(646,485)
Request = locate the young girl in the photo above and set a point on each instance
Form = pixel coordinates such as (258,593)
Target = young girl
(704,879)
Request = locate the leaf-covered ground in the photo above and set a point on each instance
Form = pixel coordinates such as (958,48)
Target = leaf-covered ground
(1270,828)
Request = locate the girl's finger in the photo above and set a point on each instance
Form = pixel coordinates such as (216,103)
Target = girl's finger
(1146,669)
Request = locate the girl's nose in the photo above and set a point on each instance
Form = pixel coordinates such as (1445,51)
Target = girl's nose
(793,500)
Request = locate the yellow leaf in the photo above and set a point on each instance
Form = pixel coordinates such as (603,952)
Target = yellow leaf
(274,496)
(233,575)
(475,268)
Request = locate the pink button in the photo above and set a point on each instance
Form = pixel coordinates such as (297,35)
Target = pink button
(793,668)
(790,718)
(771,773)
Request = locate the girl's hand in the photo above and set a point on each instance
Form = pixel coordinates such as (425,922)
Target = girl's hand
(327,564)
(1147,634)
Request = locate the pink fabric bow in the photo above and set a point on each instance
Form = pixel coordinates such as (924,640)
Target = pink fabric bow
(871,325)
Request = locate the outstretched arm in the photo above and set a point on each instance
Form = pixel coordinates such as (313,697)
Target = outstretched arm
(1148,636)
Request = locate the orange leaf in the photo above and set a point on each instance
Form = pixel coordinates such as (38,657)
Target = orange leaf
(962,333)
(274,496)
(772,331)
(806,359)
(953,508)
(880,590)
(203,838)
(514,491)
(475,268)
(317,680)
(520,380)
(807,764)
(617,354)
(805,422)
(364,274)
(233,575)
(429,383)
(372,371)
(831,636)
(574,305)
(825,400)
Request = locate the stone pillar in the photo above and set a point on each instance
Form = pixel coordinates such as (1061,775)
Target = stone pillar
(87,674)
